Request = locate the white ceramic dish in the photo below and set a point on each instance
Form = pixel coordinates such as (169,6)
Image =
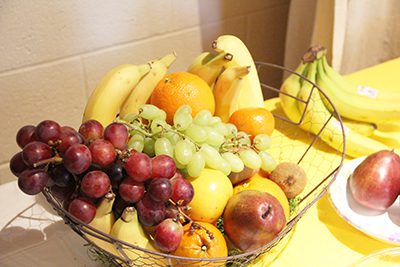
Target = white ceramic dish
(384,226)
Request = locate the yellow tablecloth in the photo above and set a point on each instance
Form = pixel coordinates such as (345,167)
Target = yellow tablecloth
(322,237)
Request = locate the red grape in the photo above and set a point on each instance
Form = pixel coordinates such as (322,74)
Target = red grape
(32,181)
(103,152)
(119,206)
(91,130)
(138,166)
(17,164)
(25,135)
(34,152)
(117,134)
(77,158)
(160,189)
(95,184)
(116,173)
(150,212)
(48,130)
(61,176)
(82,209)
(171,211)
(68,137)
(163,166)
(182,191)
(168,235)
(130,190)
(62,193)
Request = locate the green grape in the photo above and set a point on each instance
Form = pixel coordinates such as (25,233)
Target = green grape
(196,165)
(172,137)
(149,146)
(214,120)
(203,117)
(212,156)
(268,163)
(197,133)
(250,159)
(234,160)
(214,138)
(136,142)
(262,142)
(183,117)
(162,115)
(130,117)
(221,128)
(225,167)
(231,129)
(149,112)
(163,146)
(243,138)
(184,151)
(158,125)
(179,165)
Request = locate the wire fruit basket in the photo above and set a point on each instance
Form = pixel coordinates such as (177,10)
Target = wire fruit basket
(289,143)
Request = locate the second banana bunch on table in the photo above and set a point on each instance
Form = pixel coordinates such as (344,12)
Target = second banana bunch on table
(371,118)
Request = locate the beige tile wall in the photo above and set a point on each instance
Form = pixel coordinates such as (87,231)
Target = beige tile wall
(52,53)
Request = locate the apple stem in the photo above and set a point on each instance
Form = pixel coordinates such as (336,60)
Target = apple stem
(267,212)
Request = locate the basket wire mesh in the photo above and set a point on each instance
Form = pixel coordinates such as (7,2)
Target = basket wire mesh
(289,143)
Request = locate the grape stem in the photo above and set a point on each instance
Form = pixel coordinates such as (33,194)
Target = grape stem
(55,159)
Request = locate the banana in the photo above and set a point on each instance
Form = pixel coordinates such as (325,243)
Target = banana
(106,99)
(391,139)
(361,127)
(142,92)
(104,220)
(288,93)
(317,116)
(389,126)
(351,103)
(209,65)
(227,90)
(251,95)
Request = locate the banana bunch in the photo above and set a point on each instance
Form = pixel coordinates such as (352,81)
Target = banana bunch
(231,71)
(305,105)
(124,89)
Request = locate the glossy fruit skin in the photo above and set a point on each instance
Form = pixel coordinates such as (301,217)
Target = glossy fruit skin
(212,190)
(375,183)
(198,243)
(252,219)
(253,121)
(263,184)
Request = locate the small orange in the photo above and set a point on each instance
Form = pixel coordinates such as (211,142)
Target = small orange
(253,121)
(201,240)
(179,88)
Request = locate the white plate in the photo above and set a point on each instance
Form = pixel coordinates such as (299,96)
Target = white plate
(384,226)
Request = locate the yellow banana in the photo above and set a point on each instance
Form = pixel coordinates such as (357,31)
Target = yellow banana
(252,95)
(391,139)
(104,219)
(351,103)
(361,127)
(317,115)
(227,90)
(106,99)
(288,93)
(209,65)
(142,92)
(393,126)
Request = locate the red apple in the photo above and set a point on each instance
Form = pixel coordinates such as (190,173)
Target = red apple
(252,219)
(375,183)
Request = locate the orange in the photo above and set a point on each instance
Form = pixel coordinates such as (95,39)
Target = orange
(258,182)
(253,121)
(201,240)
(179,88)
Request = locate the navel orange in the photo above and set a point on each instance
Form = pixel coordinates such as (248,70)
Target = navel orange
(253,121)
(179,88)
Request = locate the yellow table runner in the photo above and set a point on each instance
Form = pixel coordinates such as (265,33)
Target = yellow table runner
(322,237)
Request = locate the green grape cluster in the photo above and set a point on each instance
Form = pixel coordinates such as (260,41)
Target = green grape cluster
(197,142)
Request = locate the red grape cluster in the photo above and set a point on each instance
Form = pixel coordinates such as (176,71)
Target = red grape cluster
(81,167)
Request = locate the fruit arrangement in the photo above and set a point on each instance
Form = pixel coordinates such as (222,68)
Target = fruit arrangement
(169,168)
(370,117)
